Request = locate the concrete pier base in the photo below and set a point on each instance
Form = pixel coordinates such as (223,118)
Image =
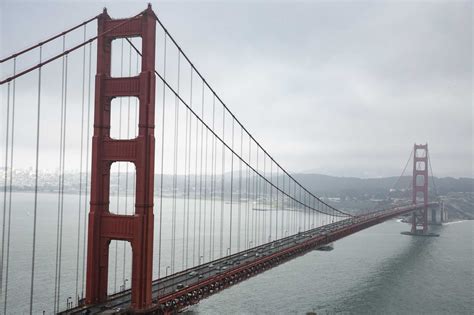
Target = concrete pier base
(420,234)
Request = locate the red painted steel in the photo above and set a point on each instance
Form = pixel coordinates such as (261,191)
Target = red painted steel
(420,170)
(178,300)
(103,225)
(174,302)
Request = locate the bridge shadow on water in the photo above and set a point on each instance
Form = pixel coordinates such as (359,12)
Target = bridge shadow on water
(394,277)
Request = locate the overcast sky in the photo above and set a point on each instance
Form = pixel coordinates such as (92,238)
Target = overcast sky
(340,88)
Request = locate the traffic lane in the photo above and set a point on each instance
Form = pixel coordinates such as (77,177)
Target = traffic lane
(167,285)
(244,257)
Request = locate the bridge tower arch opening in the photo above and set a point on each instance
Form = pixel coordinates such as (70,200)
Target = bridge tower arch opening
(105,226)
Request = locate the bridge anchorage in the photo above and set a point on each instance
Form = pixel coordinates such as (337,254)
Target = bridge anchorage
(230,213)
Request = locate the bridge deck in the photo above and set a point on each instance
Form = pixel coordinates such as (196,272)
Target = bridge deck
(188,287)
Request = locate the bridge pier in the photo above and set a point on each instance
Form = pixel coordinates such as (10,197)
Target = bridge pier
(437,215)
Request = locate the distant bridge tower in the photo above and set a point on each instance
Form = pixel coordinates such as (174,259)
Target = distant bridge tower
(420,188)
(105,226)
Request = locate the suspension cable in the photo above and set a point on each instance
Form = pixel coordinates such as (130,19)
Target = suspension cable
(205,191)
(195,185)
(202,121)
(233,116)
(7,124)
(239,231)
(90,40)
(62,180)
(185,186)
(247,197)
(231,190)
(33,256)
(200,181)
(213,185)
(76,295)
(87,169)
(221,240)
(10,195)
(162,156)
(404,169)
(175,171)
(432,175)
(59,178)
(49,39)
(189,168)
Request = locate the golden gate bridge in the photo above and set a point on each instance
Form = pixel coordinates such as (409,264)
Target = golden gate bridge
(139,242)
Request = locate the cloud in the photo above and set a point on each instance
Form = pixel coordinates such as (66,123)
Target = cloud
(341,88)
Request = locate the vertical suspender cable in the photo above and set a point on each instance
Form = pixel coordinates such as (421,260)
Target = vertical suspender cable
(189,169)
(36,185)
(187,161)
(10,191)
(295,211)
(62,184)
(276,205)
(271,201)
(200,179)
(247,188)
(221,234)
(59,180)
(254,204)
(257,206)
(286,207)
(213,183)
(432,175)
(282,206)
(162,159)
(5,184)
(301,216)
(304,210)
(231,187)
(265,200)
(87,170)
(79,208)
(195,190)
(205,187)
(185,214)
(175,171)
(239,232)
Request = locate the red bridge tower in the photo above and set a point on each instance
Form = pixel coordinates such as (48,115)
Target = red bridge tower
(105,226)
(420,188)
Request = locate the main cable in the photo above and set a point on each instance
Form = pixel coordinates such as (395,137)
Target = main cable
(432,175)
(42,43)
(233,116)
(342,214)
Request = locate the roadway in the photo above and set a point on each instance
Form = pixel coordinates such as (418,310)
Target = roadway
(189,286)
